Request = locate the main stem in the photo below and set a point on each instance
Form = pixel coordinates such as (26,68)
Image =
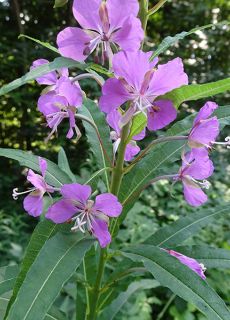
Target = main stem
(115,186)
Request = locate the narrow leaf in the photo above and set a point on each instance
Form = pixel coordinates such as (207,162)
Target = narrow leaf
(55,264)
(44,44)
(7,278)
(138,124)
(60,3)
(180,279)
(63,164)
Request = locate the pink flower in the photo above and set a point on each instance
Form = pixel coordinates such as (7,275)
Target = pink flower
(139,81)
(33,202)
(189,262)
(196,166)
(132,148)
(88,214)
(106,24)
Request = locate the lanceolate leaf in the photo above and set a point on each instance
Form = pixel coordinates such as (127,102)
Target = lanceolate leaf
(44,44)
(210,257)
(103,153)
(180,279)
(63,164)
(54,175)
(7,278)
(58,63)
(60,3)
(43,231)
(54,265)
(112,310)
(170,41)
(138,124)
(197,91)
(182,229)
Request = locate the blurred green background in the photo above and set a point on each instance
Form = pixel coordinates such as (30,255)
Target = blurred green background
(206,58)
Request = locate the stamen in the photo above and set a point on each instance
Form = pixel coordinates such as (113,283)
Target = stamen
(205,184)
(203,267)
(226,143)
(15,193)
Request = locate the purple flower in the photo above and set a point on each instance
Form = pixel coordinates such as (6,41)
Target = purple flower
(33,202)
(88,214)
(205,129)
(61,103)
(49,79)
(189,262)
(137,80)
(196,165)
(132,149)
(108,24)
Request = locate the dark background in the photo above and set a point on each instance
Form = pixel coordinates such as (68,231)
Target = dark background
(206,58)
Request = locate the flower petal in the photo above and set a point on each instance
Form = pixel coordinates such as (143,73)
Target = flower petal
(194,195)
(86,12)
(42,166)
(130,35)
(113,119)
(33,204)
(113,95)
(72,43)
(140,135)
(204,132)
(206,111)
(167,77)
(158,119)
(48,79)
(61,211)
(76,191)
(119,10)
(131,150)
(197,164)
(101,232)
(48,103)
(132,66)
(36,180)
(108,204)
(70,91)
(189,262)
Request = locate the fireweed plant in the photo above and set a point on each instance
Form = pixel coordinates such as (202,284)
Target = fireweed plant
(80,228)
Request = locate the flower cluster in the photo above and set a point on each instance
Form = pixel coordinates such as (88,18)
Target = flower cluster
(139,85)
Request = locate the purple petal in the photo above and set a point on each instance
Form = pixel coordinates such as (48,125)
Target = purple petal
(189,262)
(193,194)
(108,204)
(130,35)
(132,66)
(204,132)
(70,91)
(36,180)
(205,111)
(33,204)
(162,113)
(140,135)
(131,151)
(61,211)
(119,10)
(76,191)
(167,77)
(86,12)
(72,43)
(72,124)
(48,79)
(113,95)
(48,103)
(113,119)
(42,166)
(101,232)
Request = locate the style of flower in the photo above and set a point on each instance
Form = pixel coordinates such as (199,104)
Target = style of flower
(33,202)
(61,103)
(86,214)
(139,81)
(104,25)
(189,262)
(196,166)
(205,128)
(132,149)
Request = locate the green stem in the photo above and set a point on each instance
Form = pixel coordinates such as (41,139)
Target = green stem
(156,7)
(161,315)
(143,13)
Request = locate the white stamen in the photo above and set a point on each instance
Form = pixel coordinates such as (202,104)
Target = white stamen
(226,143)
(205,184)
(15,193)
(203,267)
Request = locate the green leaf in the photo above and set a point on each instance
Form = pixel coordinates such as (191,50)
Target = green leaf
(60,3)
(138,124)
(63,164)
(112,310)
(170,41)
(54,175)
(57,64)
(55,264)
(92,112)
(44,44)
(210,257)
(197,91)
(180,279)
(7,278)
(43,231)
(182,229)
(100,69)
